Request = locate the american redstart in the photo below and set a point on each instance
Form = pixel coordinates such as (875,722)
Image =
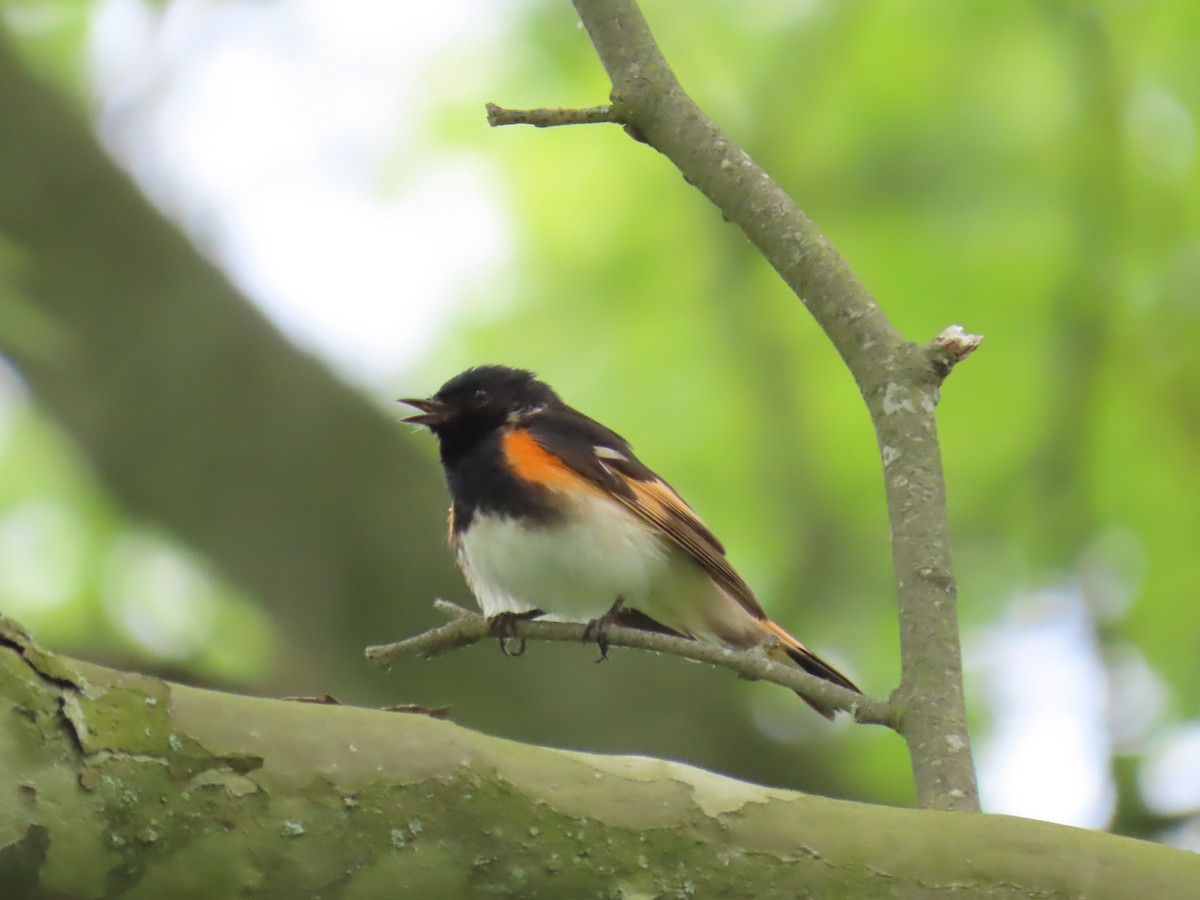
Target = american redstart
(551,513)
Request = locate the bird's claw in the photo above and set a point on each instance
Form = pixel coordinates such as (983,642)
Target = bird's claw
(504,627)
(597,629)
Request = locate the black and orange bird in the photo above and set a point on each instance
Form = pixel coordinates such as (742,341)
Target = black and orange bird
(552,514)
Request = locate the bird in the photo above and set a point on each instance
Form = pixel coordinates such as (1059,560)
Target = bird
(552,514)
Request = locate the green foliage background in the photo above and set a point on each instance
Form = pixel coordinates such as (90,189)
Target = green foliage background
(1026,169)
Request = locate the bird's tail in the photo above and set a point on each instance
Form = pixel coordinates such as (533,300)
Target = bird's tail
(742,629)
(798,655)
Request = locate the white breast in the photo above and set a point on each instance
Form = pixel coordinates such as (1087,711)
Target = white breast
(573,568)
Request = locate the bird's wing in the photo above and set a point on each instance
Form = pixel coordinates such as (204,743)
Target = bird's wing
(603,458)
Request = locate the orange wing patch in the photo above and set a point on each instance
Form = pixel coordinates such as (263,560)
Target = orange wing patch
(652,501)
(531,461)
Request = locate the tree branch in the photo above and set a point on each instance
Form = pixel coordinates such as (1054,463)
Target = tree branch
(153,789)
(898,379)
(950,348)
(549,118)
(754,665)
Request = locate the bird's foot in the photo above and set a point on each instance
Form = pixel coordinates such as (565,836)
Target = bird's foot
(504,627)
(597,629)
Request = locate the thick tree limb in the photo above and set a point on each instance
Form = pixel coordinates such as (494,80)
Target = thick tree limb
(898,380)
(471,628)
(130,786)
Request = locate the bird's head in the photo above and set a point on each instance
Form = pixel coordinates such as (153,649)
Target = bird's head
(479,400)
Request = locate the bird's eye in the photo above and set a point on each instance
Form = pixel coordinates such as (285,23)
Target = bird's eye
(479,398)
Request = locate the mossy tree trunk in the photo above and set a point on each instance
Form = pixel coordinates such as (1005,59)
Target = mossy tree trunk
(123,786)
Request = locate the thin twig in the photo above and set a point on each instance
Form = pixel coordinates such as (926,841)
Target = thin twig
(548,117)
(950,348)
(471,628)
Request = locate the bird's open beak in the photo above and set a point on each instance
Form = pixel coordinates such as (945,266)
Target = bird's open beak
(432,412)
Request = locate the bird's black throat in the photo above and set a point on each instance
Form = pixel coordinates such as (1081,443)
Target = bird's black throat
(480,482)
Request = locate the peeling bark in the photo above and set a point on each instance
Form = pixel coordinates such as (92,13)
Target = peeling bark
(119,786)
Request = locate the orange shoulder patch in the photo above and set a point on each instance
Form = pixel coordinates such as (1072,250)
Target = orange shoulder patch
(531,461)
